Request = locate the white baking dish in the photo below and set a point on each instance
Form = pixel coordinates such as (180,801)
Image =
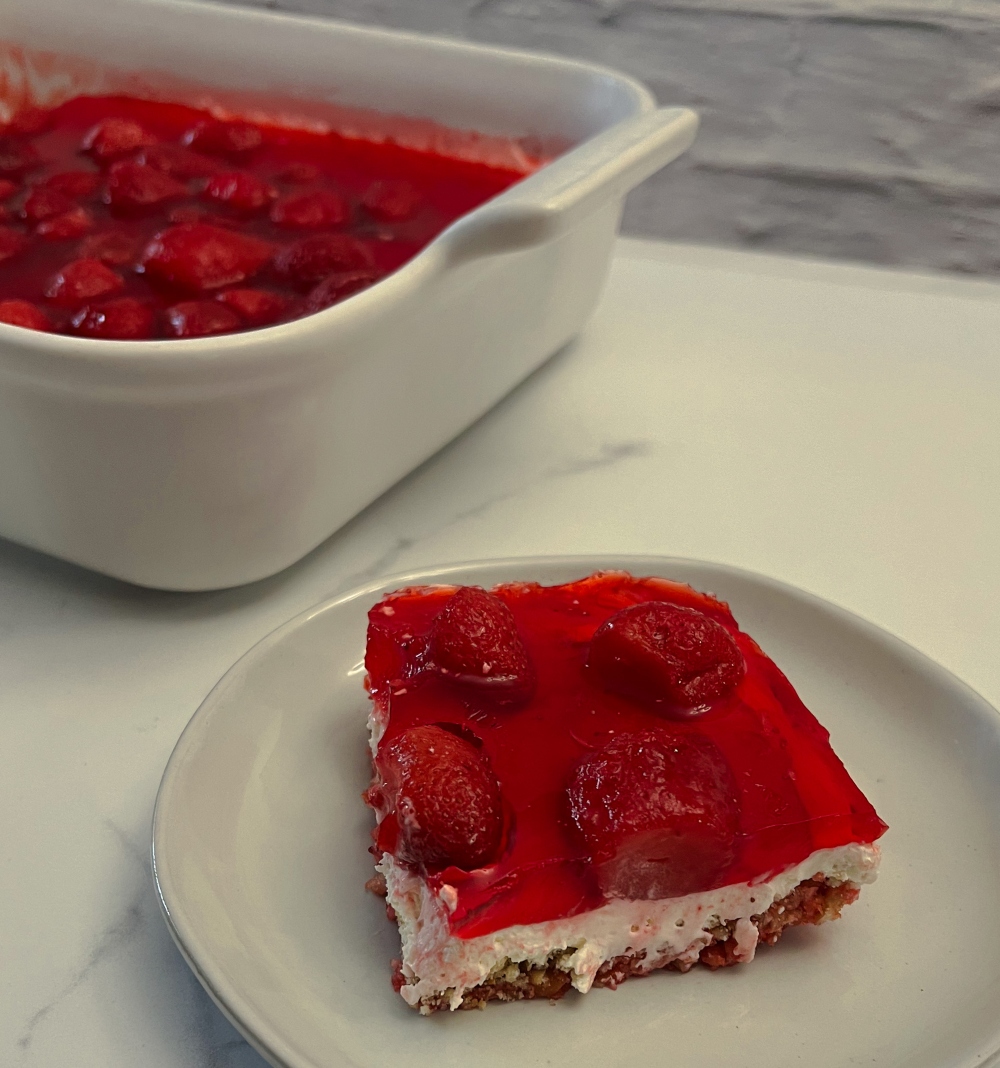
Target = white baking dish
(206,463)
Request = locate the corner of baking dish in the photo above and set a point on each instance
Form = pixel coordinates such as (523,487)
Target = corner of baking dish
(529,213)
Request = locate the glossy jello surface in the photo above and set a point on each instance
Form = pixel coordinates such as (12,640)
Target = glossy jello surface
(127,219)
(637,752)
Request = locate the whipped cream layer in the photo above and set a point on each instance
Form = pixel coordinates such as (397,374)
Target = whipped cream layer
(436,962)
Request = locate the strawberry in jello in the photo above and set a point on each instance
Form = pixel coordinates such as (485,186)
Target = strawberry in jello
(113,138)
(177,161)
(440,799)
(12,242)
(314,210)
(135,188)
(337,287)
(82,280)
(23,313)
(658,813)
(197,257)
(255,307)
(123,319)
(112,247)
(312,259)
(72,184)
(582,783)
(474,642)
(43,202)
(239,191)
(391,201)
(675,658)
(217,137)
(65,226)
(53,211)
(201,318)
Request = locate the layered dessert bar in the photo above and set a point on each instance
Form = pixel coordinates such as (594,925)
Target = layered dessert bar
(578,784)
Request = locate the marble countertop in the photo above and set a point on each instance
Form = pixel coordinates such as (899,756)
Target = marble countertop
(836,427)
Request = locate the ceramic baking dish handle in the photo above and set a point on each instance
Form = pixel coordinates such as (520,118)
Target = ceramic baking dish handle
(556,198)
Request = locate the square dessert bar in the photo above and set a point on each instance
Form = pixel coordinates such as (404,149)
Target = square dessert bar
(578,784)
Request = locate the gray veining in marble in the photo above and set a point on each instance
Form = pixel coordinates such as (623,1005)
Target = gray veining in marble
(854,129)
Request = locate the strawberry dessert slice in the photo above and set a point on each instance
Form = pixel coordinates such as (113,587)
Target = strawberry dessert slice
(577,784)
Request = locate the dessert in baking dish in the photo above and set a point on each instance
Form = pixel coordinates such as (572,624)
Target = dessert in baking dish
(578,784)
(128,219)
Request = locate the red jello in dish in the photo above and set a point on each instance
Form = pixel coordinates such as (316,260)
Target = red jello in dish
(579,783)
(129,219)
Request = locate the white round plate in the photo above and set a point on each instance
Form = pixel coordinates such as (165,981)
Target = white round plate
(260,840)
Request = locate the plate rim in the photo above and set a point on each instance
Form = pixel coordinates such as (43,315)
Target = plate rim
(259,1033)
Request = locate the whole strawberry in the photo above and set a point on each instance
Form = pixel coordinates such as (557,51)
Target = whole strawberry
(659,812)
(474,642)
(312,259)
(676,658)
(439,801)
(196,257)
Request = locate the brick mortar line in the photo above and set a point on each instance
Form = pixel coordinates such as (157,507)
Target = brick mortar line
(875,179)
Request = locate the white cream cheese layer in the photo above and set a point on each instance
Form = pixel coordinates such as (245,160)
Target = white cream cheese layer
(437,962)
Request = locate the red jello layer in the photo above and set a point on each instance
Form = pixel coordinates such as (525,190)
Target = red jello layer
(794,795)
(68,193)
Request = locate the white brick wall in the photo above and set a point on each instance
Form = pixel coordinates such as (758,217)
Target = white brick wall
(842,128)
